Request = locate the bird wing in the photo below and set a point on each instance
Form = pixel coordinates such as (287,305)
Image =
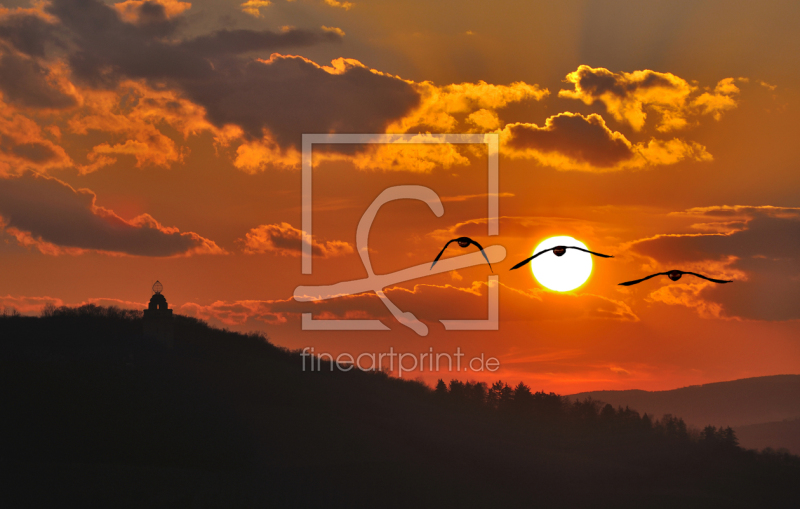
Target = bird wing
(442,252)
(526,260)
(708,278)
(629,283)
(484,254)
(590,252)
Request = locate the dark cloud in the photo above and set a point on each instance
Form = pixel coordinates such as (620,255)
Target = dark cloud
(242,41)
(582,139)
(24,82)
(766,251)
(34,152)
(105,48)
(291,95)
(284,95)
(766,235)
(29,33)
(49,214)
(108,48)
(153,17)
(596,82)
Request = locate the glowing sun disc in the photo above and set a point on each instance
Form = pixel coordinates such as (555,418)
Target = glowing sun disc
(561,273)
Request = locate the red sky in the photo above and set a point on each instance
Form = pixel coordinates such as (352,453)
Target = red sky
(161,140)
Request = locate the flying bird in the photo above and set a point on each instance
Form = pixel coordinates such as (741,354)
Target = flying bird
(462,242)
(558,251)
(674,275)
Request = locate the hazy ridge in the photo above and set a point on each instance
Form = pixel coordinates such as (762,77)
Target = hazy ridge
(757,408)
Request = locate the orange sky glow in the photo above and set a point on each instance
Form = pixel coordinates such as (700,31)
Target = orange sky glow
(161,140)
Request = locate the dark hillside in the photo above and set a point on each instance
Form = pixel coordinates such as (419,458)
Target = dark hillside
(96,415)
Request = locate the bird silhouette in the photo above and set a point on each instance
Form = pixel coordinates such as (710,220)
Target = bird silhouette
(674,275)
(463,242)
(558,251)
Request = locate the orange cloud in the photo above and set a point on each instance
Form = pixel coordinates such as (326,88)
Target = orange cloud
(687,295)
(335,30)
(341,5)
(628,96)
(571,141)
(24,145)
(234,313)
(134,111)
(418,158)
(722,98)
(429,303)
(422,157)
(109,302)
(253,7)
(461,106)
(285,240)
(258,155)
(484,120)
(620,371)
(28,305)
(465,197)
(740,212)
(35,305)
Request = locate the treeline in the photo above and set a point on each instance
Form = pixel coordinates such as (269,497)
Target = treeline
(90,311)
(542,408)
(86,310)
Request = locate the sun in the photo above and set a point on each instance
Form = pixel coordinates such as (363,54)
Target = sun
(561,273)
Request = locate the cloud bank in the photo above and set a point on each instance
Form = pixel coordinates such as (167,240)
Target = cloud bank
(51,216)
(757,246)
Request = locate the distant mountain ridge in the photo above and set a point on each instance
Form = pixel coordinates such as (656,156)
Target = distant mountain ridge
(777,435)
(735,403)
(764,411)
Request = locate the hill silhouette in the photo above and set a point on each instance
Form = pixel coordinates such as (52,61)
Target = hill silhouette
(98,415)
(776,435)
(740,404)
(735,403)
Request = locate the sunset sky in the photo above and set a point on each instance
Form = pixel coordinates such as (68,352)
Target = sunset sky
(160,140)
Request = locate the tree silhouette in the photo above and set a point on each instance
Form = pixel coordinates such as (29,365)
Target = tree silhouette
(441,388)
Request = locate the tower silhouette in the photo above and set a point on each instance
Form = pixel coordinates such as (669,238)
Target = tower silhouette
(158,322)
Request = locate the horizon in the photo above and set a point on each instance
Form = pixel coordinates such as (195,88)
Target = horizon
(167,143)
